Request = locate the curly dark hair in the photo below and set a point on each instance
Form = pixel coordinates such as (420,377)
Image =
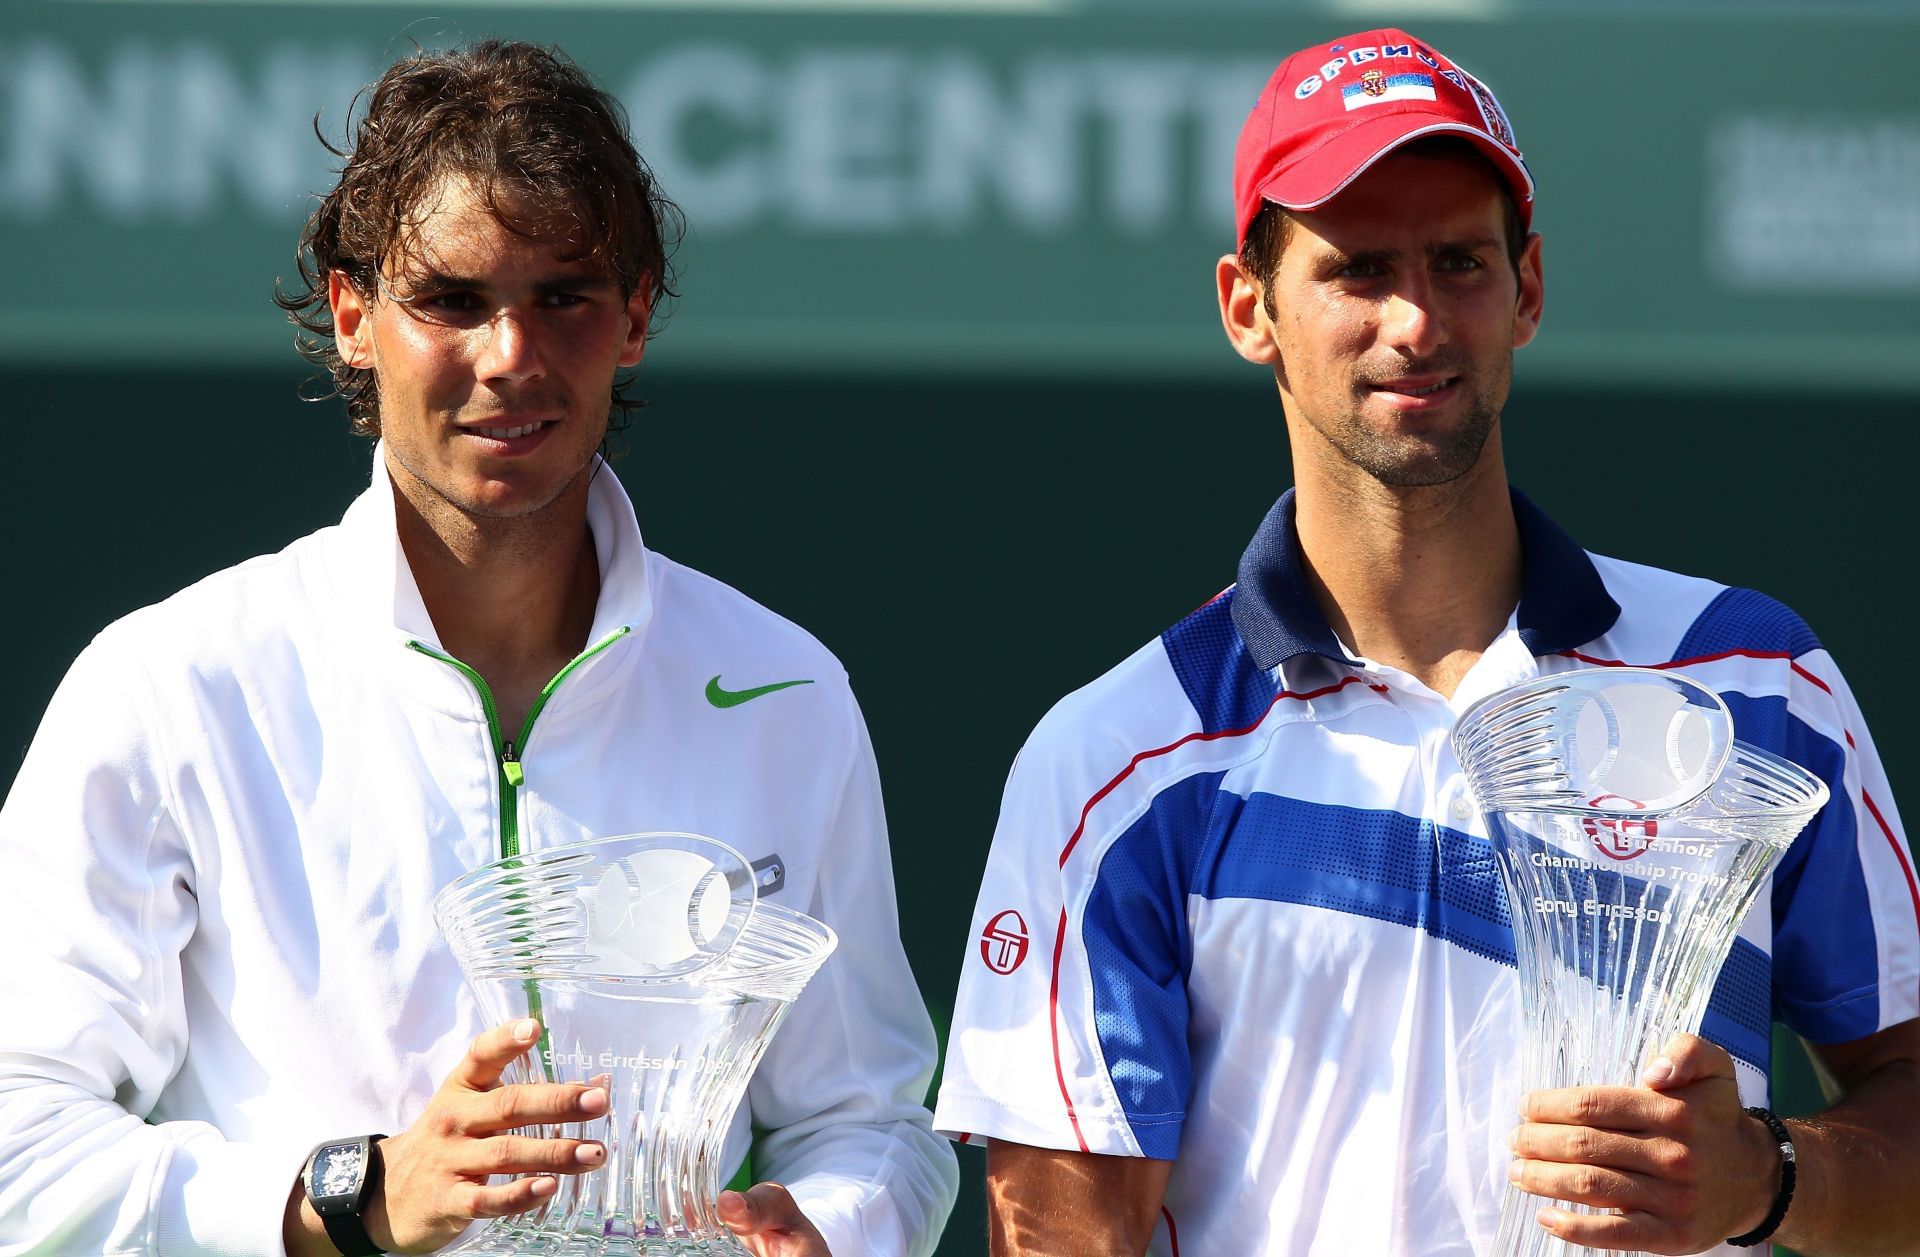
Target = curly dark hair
(525,127)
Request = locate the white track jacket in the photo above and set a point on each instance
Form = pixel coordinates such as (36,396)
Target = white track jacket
(218,861)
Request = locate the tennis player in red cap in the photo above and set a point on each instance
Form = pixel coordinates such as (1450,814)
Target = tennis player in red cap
(1241,979)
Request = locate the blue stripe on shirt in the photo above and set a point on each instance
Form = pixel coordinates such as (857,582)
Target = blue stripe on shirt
(1197,839)
(1743,619)
(1227,689)
(1828,994)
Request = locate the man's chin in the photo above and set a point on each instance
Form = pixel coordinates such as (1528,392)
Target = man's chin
(1421,467)
(506,506)
(518,496)
(1438,452)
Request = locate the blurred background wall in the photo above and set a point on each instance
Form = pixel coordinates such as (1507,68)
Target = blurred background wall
(946,384)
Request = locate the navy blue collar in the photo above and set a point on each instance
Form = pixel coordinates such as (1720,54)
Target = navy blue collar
(1563,602)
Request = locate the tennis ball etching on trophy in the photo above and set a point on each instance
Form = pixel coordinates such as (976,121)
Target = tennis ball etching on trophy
(657,973)
(1632,833)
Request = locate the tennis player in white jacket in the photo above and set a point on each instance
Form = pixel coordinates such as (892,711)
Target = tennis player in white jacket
(222,847)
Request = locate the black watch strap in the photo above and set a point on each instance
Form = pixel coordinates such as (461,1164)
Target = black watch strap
(349,1235)
(346,1227)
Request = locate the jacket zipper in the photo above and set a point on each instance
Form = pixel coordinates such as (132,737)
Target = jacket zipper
(513,776)
(506,752)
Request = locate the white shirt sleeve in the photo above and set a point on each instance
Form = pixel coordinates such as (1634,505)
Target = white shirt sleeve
(96,904)
(1030,1058)
(1024,1058)
(841,1091)
(1846,905)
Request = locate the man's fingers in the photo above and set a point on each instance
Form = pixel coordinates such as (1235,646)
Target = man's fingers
(1686,1059)
(523,1154)
(761,1208)
(1602,1187)
(1609,1108)
(1635,1232)
(489,1055)
(499,1200)
(736,1212)
(1584,1184)
(538,1104)
(1586,1145)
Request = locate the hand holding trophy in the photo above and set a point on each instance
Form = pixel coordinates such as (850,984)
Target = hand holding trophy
(1632,833)
(656,973)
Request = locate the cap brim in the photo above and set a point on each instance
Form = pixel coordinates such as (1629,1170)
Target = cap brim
(1324,173)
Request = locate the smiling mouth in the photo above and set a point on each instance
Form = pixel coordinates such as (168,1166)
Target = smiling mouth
(1424,390)
(508,434)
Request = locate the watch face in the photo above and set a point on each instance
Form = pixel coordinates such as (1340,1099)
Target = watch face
(337,1170)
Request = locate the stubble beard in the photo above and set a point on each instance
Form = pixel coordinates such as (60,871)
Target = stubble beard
(1400,461)
(449,512)
(1418,462)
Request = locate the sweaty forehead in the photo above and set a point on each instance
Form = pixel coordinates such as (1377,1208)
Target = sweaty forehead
(459,228)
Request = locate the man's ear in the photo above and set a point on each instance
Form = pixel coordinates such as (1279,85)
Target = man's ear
(1532,305)
(1243,312)
(639,310)
(352,334)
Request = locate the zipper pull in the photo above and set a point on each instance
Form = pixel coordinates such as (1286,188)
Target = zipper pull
(510,766)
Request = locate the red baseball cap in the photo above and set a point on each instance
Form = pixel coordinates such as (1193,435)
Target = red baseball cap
(1331,111)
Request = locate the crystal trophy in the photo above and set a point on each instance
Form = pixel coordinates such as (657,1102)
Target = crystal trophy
(656,972)
(1632,833)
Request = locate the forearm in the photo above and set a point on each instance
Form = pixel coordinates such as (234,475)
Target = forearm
(1043,1202)
(1857,1164)
(301,1230)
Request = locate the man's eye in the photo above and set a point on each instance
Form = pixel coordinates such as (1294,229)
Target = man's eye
(1362,270)
(1458,262)
(451,302)
(563,300)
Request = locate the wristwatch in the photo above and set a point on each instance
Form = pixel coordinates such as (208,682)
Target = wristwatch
(340,1177)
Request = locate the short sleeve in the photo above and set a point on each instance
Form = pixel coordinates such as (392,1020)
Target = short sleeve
(1070,1028)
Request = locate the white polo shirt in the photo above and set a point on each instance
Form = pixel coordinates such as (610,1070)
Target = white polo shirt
(1241,911)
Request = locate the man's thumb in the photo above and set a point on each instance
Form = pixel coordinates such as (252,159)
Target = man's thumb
(1685,1059)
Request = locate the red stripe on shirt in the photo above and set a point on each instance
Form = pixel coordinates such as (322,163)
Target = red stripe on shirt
(1060,937)
(1053,1028)
(1713,658)
(1199,736)
(1900,853)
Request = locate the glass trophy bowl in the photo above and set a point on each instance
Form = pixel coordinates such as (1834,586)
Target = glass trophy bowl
(655,972)
(1632,833)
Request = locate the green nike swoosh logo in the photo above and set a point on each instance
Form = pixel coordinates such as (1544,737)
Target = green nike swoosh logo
(733,698)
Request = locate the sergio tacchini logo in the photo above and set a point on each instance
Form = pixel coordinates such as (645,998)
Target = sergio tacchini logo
(733,698)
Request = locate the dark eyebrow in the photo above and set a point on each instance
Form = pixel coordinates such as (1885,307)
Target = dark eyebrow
(1331,259)
(1466,244)
(591,280)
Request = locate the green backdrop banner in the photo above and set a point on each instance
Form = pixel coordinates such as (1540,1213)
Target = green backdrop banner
(1729,199)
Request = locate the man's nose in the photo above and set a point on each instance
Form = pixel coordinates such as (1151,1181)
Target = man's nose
(512,349)
(1410,323)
